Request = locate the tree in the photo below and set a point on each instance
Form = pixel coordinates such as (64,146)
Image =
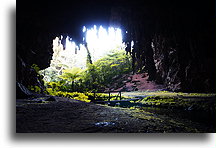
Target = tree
(71,75)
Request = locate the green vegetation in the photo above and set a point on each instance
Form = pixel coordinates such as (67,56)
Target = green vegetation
(35,67)
(167,94)
(61,81)
(72,95)
(99,74)
(189,101)
(36,89)
(39,78)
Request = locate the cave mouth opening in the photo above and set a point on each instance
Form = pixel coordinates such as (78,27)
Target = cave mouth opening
(96,41)
(97,59)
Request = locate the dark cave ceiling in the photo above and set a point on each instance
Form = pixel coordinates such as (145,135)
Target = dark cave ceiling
(69,16)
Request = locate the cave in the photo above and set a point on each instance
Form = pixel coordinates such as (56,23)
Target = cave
(173,41)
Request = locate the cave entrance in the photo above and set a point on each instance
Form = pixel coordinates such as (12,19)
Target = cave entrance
(92,63)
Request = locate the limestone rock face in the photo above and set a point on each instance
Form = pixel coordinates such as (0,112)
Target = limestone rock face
(181,69)
(176,48)
(26,77)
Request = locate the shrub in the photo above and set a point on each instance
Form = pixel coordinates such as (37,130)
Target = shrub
(71,95)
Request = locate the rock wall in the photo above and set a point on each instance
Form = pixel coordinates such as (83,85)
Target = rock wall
(185,62)
(33,46)
(175,47)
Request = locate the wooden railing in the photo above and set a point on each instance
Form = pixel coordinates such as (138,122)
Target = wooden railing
(109,96)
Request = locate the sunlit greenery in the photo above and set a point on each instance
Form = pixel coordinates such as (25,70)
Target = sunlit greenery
(72,95)
(166,94)
(95,77)
(99,74)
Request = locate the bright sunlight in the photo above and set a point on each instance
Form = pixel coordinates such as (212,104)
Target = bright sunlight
(98,40)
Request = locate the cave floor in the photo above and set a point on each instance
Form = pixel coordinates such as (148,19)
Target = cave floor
(71,116)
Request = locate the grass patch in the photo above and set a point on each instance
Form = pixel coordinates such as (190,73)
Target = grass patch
(71,95)
(187,101)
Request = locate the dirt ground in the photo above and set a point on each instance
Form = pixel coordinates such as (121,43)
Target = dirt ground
(139,82)
(71,116)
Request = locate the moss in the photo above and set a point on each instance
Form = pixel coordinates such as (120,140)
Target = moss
(188,101)
(71,95)
(141,114)
(36,88)
(146,117)
(168,94)
(178,102)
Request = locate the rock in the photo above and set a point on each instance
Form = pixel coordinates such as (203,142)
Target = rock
(51,99)
(135,81)
(103,124)
(144,75)
(22,92)
(40,101)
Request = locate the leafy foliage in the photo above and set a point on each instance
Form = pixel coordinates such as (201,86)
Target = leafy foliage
(35,67)
(70,76)
(35,88)
(97,76)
